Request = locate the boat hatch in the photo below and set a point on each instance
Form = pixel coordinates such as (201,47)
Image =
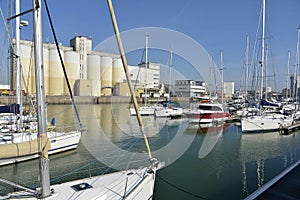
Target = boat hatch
(81,186)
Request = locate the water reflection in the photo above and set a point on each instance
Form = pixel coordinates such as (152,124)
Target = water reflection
(262,146)
(258,150)
(212,133)
(114,137)
(216,162)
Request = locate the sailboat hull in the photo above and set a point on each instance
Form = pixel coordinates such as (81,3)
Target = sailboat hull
(144,110)
(264,124)
(169,112)
(60,142)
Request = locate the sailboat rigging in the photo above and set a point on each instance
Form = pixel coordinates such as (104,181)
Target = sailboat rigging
(287,77)
(146,109)
(22,145)
(264,121)
(18,79)
(125,65)
(262,61)
(130,184)
(168,108)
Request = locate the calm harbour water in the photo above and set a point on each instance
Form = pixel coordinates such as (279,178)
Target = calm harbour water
(221,163)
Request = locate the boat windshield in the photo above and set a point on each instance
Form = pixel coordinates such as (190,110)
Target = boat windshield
(212,108)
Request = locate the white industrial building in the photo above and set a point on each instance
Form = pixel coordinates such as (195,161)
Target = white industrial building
(143,80)
(150,75)
(228,89)
(90,73)
(189,88)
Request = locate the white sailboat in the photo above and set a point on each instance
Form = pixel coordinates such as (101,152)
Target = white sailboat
(167,110)
(130,184)
(18,144)
(11,116)
(146,109)
(18,147)
(264,121)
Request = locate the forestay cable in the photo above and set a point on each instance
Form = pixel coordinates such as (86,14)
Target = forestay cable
(62,64)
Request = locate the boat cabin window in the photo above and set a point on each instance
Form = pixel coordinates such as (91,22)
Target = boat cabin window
(213,108)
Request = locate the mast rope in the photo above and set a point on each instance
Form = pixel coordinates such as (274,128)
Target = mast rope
(106,168)
(138,74)
(26,82)
(125,66)
(254,54)
(62,63)
(179,188)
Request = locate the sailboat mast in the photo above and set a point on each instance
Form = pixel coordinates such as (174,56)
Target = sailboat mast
(210,75)
(222,78)
(18,66)
(297,65)
(40,96)
(262,47)
(170,70)
(146,69)
(288,74)
(125,66)
(266,69)
(247,67)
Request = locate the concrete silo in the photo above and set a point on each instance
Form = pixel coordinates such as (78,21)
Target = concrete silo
(71,62)
(106,75)
(56,80)
(46,70)
(94,73)
(118,71)
(27,63)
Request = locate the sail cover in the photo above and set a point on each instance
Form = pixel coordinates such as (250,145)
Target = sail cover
(42,144)
(267,103)
(12,108)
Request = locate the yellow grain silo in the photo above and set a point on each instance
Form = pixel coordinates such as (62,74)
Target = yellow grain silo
(106,75)
(46,70)
(71,62)
(94,73)
(118,71)
(56,80)
(27,63)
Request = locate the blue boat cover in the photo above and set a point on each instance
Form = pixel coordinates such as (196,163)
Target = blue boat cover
(168,104)
(268,103)
(12,108)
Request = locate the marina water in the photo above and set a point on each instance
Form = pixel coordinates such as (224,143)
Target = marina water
(200,163)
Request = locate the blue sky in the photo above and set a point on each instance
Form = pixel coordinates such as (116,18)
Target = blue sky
(215,24)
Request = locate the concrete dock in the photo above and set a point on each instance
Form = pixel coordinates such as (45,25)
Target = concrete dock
(85,99)
(288,129)
(285,186)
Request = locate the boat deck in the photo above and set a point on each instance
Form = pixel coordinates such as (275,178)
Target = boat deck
(233,119)
(288,129)
(130,184)
(286,185)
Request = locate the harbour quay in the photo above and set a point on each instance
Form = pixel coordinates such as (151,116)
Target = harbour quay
(64,99)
